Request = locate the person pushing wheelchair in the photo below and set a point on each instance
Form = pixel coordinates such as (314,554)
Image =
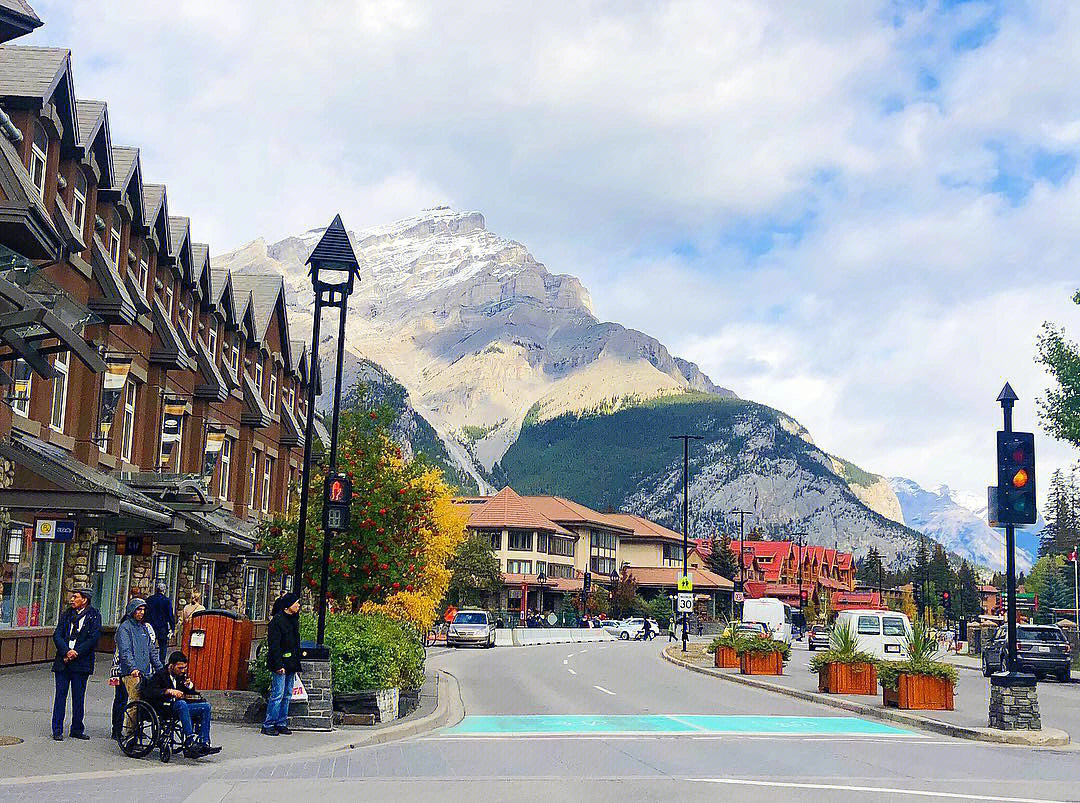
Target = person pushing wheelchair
(170,687)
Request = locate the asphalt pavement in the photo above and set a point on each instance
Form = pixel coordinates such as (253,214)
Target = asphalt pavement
(606,722)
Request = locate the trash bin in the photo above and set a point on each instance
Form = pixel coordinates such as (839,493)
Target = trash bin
(218,645)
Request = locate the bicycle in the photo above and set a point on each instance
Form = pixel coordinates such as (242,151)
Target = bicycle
(437,632)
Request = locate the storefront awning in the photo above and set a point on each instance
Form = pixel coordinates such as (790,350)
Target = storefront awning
(96,497)
(214,530)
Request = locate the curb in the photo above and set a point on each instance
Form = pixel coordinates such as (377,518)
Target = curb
(1048,737)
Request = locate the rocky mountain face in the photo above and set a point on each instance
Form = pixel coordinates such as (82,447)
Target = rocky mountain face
(959,522)
(494,351)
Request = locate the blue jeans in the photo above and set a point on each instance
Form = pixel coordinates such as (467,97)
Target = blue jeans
(77,682)
(186,711)
(277,703)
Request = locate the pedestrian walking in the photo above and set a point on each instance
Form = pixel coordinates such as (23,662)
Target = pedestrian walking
(139,655)
(189,610)
(671,629)
(159,613)
(283,661)
(120,698)
(76,636)
(646,628)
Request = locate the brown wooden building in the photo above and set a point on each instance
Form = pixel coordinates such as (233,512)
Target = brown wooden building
(147,395)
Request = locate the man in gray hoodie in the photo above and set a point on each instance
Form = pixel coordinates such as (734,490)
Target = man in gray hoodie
(138,656)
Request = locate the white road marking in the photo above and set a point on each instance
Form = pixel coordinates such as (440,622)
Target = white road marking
(605,691)
(571,671)
(882,790)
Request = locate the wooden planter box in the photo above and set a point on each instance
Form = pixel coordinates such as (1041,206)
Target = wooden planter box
(761,663)
(726,658)
(848,679)
(919,692)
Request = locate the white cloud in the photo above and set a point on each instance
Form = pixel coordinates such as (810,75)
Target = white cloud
(807,199)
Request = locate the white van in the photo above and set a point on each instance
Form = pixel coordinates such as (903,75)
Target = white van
(883,634)
(772,613)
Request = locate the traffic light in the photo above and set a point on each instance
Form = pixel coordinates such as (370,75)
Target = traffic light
(916,592)
(1016,478)
(337,495)
(946,602)
(586,584)
(804,595)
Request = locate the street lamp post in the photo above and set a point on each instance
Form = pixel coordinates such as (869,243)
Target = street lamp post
(614,578)
(541,581)
(685,516)
(334,268)
(801,535)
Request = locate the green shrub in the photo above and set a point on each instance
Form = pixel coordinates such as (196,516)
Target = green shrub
(754,644)
(923,652)
(258,672)
(729,637)
(843,649)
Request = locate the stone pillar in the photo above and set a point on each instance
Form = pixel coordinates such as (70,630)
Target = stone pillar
(1014,702)
(317,714)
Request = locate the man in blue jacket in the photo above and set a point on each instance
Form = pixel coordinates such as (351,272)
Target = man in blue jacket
(76,636)
(159,613)
(139,656)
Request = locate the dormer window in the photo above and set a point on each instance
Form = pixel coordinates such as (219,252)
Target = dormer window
(211,339)
(144,269)
(167,295)
(39,157)
(114,238)
(258,376)
(272,401)
(189,317)
(78,201)
(290,398)
(234,362)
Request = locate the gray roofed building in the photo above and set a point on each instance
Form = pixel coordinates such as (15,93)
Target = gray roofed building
(265,290)
(153,195)
(200,258)
(178,231)
(16,19)
(31,72)
(91,114)
(124,162)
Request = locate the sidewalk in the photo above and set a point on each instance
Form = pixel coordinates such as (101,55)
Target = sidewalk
(26,713)
(967,721)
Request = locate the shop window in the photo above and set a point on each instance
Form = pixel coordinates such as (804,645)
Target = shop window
(111,585)
(256,584)
(166,570)
(32,587)
(60,391)
(39,158)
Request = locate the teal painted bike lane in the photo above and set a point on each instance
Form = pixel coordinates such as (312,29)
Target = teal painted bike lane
(661,724)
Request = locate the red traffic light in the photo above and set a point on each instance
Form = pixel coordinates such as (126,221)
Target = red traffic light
(337,491)
(945,596)
(1018,454)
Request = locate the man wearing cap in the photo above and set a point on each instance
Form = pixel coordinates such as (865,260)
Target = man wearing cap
(139,655)
(159,613)
(283,661)
(76,636)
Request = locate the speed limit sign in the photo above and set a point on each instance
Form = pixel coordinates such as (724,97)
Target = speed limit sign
(685,603)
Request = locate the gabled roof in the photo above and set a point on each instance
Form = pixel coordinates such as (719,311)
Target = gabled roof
(643,528)
(153,198)
(180,244)
(565,511)
(38,75)
(16,19)
(95,137)
(507,510)
(125,162)
(668,577)
(200,262)
(156,218)
(267,294)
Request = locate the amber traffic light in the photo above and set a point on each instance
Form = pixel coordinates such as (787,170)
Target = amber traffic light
(1016,478)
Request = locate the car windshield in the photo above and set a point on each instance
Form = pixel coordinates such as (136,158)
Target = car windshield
(470,619)
(1048,634)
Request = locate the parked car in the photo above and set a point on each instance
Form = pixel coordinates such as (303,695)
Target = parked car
(819,637)
(759,629)
(632,628)
(471,627)
(1040,649)
(883,634)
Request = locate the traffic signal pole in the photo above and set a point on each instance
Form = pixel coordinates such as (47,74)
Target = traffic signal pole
(685,518)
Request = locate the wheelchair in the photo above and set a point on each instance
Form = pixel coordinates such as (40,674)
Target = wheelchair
(151,729)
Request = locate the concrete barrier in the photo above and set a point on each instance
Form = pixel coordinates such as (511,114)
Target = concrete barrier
(534,636)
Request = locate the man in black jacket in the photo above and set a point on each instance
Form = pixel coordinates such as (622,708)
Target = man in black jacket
(283,660)
(170,687)
(76,636)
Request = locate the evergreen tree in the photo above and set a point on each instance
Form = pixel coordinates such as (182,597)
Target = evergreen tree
(1057,503)
(968,590)
(722,559)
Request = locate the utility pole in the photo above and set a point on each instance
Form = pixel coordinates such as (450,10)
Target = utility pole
(742,514)
(685,517)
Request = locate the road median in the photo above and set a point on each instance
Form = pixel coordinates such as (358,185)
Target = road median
(1048,737)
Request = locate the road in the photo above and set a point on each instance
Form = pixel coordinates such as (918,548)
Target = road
(616,722)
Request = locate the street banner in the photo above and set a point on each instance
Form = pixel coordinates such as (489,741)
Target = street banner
(172,424)
(116,375)
(215,438)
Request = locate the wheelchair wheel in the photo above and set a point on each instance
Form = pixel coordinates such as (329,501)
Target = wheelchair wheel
(175,735)
(164,753)
(143,736)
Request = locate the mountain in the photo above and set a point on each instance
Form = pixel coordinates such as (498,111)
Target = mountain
(947,516)
(495,352)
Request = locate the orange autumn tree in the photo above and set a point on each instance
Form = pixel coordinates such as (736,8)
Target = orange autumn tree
(403,526)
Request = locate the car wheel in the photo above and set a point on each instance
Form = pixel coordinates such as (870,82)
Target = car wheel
(1065,676)
(624,636)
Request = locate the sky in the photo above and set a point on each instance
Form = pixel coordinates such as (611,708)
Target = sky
(859,213)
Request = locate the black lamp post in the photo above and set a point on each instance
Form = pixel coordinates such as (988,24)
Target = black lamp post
(614,578)
(334,268)
(541,581)
(685,516)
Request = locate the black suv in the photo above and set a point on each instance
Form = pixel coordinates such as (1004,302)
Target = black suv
(1040,649)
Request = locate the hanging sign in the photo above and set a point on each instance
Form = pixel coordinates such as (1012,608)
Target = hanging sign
(215,439)
(45,530)
(172,427)
(116,375)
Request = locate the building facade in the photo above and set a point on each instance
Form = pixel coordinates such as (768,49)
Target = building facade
(151,412)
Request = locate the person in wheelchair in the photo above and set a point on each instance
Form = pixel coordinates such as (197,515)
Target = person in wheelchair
(172,693)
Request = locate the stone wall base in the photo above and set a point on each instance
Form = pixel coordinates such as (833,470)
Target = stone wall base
(317,714)
(1014,704)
